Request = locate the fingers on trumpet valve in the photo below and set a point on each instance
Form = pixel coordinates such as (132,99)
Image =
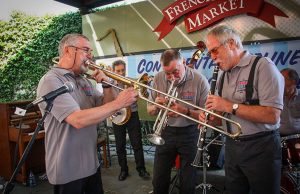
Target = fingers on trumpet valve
(160,100)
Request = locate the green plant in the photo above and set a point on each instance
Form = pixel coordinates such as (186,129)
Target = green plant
(27,46)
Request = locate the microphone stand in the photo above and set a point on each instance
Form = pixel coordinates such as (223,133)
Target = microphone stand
(205,158)
(9,186)
(201,147)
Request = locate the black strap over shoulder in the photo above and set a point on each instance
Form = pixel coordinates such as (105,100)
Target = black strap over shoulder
(249,86)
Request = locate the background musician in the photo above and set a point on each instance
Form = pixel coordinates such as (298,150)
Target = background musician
(133,126)
(290,115)
(253,161)
(180,134)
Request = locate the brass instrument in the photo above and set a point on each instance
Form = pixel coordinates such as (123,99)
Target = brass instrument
(142,87)
(121,116)
(162,119)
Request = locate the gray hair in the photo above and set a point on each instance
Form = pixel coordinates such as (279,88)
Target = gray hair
(225,33)
(69,40)
(168,55)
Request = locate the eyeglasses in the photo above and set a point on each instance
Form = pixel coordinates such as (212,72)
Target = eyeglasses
(214,50)
(84,49)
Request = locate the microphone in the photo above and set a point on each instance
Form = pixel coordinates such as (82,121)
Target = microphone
(67,87)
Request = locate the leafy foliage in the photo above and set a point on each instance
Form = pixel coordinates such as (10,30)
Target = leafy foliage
(27,46)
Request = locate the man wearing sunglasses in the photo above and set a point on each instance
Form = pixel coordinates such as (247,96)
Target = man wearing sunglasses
(250,92)
(180,134)
(72,164)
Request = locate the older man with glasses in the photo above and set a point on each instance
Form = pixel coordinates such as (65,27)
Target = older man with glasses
(72,164)
(250,92)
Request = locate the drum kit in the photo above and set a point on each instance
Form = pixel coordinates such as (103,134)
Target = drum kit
(290,177)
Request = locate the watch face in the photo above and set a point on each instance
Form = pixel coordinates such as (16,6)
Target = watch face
(235,106)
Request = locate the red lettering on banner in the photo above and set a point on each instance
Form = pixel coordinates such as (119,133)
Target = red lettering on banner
(202,13)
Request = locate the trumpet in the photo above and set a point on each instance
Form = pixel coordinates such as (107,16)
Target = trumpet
(138,86)
(162,119)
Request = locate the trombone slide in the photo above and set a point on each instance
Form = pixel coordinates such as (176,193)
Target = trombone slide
(141,87)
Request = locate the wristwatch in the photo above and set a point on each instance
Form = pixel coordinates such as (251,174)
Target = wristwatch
(234,108)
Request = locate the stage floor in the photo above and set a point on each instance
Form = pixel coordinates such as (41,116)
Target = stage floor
(133,184)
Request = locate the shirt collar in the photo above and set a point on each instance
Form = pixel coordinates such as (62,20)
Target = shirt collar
(63,71)
(294,95)
(189,74)
(245,60)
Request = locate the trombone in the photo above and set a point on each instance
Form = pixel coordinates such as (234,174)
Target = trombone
(142,87)
(120,117)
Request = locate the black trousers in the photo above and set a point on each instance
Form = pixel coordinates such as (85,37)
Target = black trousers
(88,185)
(253,165)
(133,127)
(182,141)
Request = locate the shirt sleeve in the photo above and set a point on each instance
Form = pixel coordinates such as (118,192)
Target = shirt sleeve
(63,105)
(98,97)
(270,84)
(203,89)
